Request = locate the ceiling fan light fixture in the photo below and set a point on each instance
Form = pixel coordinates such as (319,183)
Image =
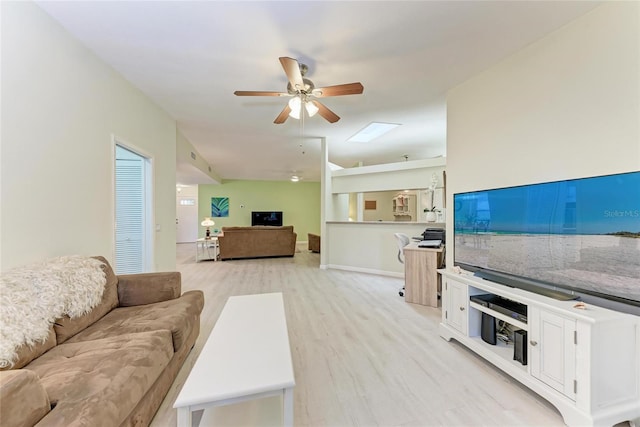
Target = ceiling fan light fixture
(295,104)
(311,108)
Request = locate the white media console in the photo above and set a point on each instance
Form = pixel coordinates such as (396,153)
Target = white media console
(585,361)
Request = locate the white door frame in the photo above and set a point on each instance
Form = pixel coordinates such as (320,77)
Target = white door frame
(150,186)
(190,236)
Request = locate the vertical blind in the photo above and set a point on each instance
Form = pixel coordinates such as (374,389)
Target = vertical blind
(130,215)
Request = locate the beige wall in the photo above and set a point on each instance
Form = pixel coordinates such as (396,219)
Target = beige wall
(384,206)
(192,171)
(567,106)
(60,107)
(398,176)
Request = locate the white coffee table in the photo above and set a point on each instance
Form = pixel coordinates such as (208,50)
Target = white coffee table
(247,356)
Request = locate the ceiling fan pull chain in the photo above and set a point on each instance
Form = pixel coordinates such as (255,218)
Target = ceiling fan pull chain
(302,114)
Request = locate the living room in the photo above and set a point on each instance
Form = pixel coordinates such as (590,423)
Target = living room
(568,145)
(565,106)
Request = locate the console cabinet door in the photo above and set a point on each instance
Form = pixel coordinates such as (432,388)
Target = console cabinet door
(553,350)
(457,305)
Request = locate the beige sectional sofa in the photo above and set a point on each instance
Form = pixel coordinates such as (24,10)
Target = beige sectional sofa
(257,242)
(110,367)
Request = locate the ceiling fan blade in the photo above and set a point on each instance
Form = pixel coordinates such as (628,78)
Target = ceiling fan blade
(339,90)
(328,115)
(283,116)
(258,93)
(292,70)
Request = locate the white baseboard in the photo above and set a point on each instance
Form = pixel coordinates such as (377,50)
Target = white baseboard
(364,270)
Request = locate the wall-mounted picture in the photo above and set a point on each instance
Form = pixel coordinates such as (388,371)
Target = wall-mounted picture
(370,205)
(219,207)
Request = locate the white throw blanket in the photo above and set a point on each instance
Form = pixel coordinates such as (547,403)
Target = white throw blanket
(34,296)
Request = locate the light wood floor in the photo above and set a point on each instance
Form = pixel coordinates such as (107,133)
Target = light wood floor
(361,355)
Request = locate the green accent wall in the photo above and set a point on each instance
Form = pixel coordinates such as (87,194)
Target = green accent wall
(298,201)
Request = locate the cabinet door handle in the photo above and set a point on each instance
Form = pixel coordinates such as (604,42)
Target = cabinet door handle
(533,343)
(461,308)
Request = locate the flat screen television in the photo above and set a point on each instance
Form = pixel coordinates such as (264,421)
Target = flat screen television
(266,218)
(579,236)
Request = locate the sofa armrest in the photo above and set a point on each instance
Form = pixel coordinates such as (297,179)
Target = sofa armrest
(148,288)
(24,400)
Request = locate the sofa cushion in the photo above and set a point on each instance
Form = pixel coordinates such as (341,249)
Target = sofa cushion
(177,315)
(26,353)
(23,399)
(148,288)
(66,327)
(99,383)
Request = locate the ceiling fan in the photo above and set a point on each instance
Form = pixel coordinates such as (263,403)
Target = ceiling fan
(304,92)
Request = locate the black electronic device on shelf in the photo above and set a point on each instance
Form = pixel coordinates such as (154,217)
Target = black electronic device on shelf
(509,308)
(520,346)
(488,329)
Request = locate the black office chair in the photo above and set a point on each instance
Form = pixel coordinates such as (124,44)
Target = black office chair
(402,240)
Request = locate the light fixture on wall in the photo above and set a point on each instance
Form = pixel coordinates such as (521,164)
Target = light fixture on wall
(295,178)
(207,222)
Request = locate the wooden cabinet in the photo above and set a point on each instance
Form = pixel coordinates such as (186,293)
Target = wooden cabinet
(404,207)
(421,277)
(553,350)
(585,361)
(455,305)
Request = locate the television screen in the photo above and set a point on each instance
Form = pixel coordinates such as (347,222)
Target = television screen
(266,218)
(580,235)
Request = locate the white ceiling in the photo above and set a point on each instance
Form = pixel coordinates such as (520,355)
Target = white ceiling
(189,57)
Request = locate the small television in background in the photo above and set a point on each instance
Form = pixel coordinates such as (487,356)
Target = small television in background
(266,218)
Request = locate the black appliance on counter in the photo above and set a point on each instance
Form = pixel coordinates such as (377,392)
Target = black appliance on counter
(434,234)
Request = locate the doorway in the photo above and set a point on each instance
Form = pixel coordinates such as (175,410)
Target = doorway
(186,214)
(133,211)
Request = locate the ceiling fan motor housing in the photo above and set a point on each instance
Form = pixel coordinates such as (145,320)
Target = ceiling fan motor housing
(307,89)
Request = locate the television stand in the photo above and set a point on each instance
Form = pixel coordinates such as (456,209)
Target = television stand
(585,360)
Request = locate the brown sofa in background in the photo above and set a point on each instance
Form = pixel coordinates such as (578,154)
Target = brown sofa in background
(314,242)
(257,242)
(110,367)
